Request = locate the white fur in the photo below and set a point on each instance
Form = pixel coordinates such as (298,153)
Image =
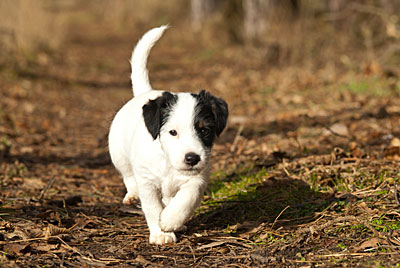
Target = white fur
(153,170)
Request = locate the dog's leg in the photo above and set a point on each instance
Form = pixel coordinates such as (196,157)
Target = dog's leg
(131,188)
(152,208)
(125,168)
(165,201)
(182,206)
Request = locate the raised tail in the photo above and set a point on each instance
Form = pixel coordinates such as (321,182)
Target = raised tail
(140,75)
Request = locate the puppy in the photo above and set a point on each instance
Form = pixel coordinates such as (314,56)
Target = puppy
(160,142)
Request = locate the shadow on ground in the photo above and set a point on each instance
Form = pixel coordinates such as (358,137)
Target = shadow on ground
(281,202)
(83,160)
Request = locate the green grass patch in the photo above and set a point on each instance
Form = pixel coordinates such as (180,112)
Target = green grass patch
(371,85)
(385,225)
(206,54)
(258,196)
(341,246)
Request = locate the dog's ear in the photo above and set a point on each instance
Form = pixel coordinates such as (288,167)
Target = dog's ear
(219,108)
(155,112)
(152,117)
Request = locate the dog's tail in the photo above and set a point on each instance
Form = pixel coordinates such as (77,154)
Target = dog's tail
(140,75)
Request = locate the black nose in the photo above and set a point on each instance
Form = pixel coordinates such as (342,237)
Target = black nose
(192,159)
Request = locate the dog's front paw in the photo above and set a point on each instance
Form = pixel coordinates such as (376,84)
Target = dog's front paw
(171,225)
(161,238)
(130,199)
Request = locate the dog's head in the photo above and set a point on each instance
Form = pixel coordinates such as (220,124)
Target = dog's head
(187,125)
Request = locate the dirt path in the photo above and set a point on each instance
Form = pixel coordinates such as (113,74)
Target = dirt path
(314,166)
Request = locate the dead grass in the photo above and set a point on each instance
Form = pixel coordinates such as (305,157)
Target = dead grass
(27,26)
(29,30)
(128,15)
(360,37)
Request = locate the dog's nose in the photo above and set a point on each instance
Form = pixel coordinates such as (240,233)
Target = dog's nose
(192,159)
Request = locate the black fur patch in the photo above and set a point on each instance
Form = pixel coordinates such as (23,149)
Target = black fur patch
(211,117)
(156,112)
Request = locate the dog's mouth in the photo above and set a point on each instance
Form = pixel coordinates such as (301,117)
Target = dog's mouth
(191,170)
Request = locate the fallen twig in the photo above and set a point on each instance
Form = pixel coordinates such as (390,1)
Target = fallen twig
(356,254)
(277,217)
(335,133)
(213,244)
(49,184)
(236,139)
(329,223)
(26,240)
(396,196)
(167,254)
(91,260)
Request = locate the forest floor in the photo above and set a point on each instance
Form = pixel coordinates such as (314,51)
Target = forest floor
(304,175)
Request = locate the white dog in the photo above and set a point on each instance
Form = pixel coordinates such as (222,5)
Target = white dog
(161,142)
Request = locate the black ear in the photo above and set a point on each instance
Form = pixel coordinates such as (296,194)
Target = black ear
(219,108)
(155,112)
(152,117)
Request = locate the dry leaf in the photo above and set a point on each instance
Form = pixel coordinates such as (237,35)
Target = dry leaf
(17,249)
(34,183)
(46,247)
(393,150)
(223,250)
(338,129)
(52,230)
(212,245)
(372,243)
(140,259)
(355,151)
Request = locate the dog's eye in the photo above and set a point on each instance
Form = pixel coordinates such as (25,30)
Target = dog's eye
(205,131)
(173,132)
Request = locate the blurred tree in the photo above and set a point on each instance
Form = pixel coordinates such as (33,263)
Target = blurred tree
(246,19)
(335,5)
(260,14)
(200,10)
